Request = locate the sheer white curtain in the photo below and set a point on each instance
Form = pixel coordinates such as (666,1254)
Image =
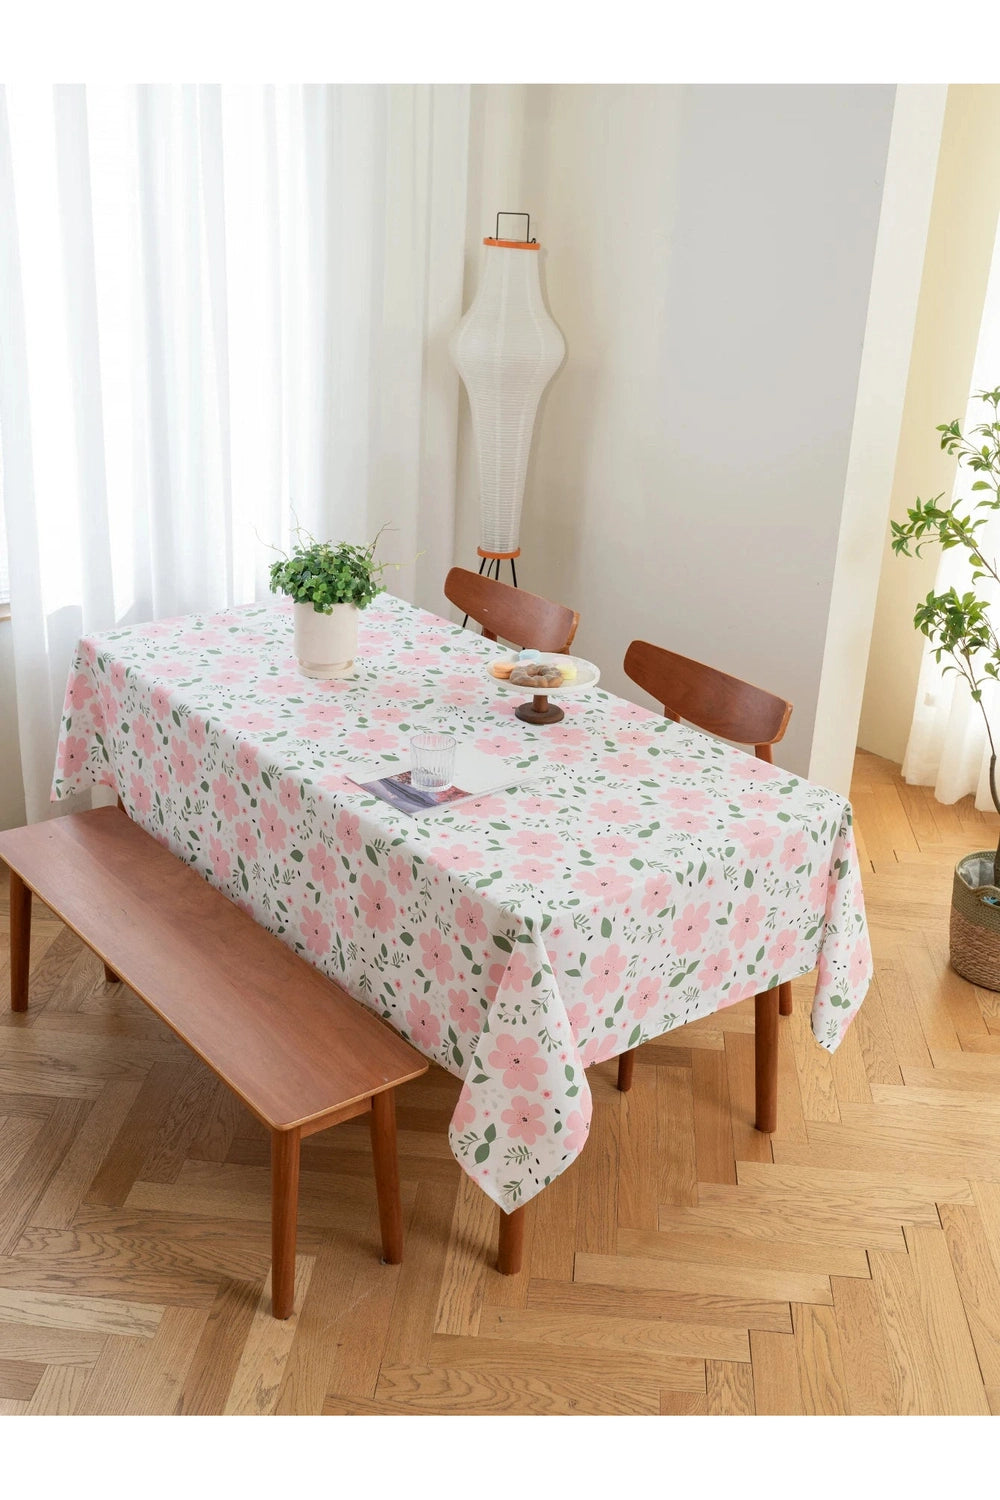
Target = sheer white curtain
(222,309)
(948,748)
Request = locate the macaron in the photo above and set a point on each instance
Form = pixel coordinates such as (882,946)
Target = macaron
(529,656)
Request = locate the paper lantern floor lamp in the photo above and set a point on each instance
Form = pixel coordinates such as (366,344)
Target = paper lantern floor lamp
(506,349)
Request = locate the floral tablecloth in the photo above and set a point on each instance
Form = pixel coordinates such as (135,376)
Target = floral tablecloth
(642,876)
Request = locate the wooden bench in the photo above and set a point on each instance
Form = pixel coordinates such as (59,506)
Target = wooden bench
(299,1052)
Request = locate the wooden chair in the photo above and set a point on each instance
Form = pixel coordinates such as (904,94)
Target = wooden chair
(525,620)
(733,710)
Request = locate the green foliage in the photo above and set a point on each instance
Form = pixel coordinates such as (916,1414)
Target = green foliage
(322,574)
(960,626)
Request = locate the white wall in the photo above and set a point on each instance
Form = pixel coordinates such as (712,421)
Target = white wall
(708,257)
(960,240)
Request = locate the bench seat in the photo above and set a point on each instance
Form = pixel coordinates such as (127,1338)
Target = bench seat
(299,1052)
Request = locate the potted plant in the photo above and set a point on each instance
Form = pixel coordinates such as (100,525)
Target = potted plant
(329,583)
(960,627)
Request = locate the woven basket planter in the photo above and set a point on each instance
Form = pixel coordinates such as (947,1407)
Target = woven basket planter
(975,921)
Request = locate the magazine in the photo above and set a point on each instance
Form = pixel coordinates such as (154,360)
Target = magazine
(476,775)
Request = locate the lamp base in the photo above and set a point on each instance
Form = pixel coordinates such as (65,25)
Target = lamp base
(490,561)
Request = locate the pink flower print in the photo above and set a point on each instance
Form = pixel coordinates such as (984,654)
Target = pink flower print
(79,690)
(465,1111)
(142,797)
(162,778)
(757,837)
(860,964)
(518,972)
(818,888)
(567,734)
(246,762)
(436,957)
(524,1120)
(498,744)
(464,1011)
(469,921)
(196,732)
(613,843)
(758,801)
(715,969)
(251,718)
(319,714)
(246,840)
(577,1131)
(494,980)
(424,1026)
(348,832)
(219,858)
(795,851)
(632,736)
(624,763)
(225,798)
(606,970)
(278,687)
(324,870)
(183,763)
(315,932)
(400,874)
(608,884)
(532,870)
(378,910)
(689,799)
(344,913)
(690,928)
(783,949)
(657,895)
(535,841)
(417,657)
(520,1060)
(372,740)
(747,919)
(160,701)
(459,856)
(578,1017)
(289,794)
(142,731)
(825,972)
(117,676)
(72,754)
(274,829)
(538,807)
(644,995)
(600,1048)
(689,822)
(615,811)
(109,705)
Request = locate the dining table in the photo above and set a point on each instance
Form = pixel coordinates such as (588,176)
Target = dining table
(633,874)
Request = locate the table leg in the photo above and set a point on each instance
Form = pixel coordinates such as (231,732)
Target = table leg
(785,998)
(284,1215)
(765,1037)
(110,977)
(20,941)
(626,1067)
(384,1154)
(511,1248)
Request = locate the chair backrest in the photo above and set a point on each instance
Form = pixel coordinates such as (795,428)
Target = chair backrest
(709,699)
(526,620)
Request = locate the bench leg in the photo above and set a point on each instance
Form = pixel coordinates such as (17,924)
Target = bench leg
(765,1037)
(785,998)
(626,1068)
(284,1216)
(386,1159)
(510,1253)
(20,941)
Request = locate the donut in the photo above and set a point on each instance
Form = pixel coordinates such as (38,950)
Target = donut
(538,675)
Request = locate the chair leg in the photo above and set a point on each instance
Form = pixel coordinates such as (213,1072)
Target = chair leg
(785,998)
(765,1036)
(626,1068)
(20,941)
(511,1248)
(386,1159)
(285,1146)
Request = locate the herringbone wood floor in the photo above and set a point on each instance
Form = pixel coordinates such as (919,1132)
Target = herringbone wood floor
(850,1264)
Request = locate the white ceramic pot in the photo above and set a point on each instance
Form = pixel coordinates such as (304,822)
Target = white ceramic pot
(326,645)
